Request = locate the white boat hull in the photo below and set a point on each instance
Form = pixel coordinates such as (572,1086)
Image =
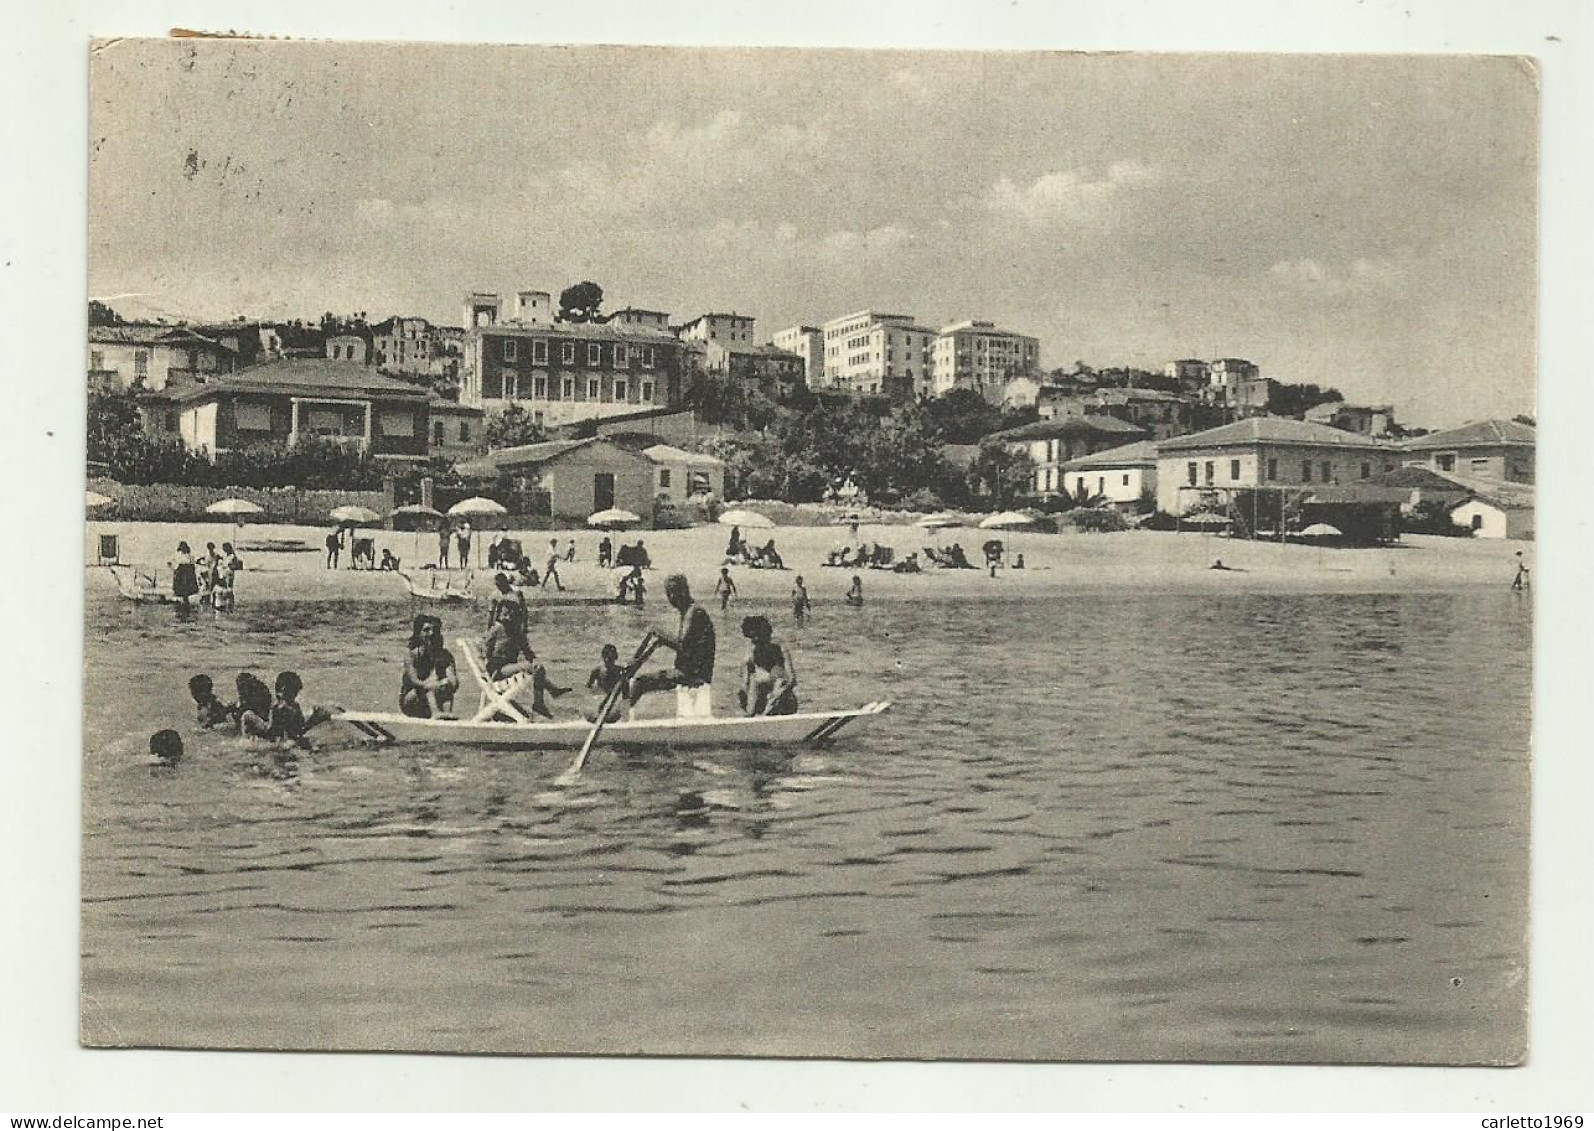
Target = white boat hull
(807,729)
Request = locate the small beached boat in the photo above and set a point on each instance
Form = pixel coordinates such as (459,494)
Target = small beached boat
(140,587)
(809,728)
(429,590)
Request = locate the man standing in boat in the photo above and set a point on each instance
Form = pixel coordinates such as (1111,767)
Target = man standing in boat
(693,644)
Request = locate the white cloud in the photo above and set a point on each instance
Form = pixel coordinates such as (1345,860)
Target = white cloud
(1359,275)
(1065,195)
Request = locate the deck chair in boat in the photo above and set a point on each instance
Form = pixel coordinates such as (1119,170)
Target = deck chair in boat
(497,696)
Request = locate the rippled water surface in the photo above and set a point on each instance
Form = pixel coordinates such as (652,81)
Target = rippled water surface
(1107,827)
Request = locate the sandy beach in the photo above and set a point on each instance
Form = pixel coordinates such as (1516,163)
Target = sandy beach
(1054,563)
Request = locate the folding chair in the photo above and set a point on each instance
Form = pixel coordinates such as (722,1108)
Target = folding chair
(497,696)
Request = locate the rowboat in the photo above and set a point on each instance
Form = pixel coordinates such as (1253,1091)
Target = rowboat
(810,728)
(140,588)
(446,593)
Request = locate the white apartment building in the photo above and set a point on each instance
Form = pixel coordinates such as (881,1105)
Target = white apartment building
(977,355)
(872,354)
(808,343)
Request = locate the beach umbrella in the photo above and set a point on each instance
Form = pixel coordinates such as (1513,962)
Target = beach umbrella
(1319,531)
(1007,520)
(612,518)
(750,519)
(236,509)
(477,506)
(353,515)
(1206,520)
(419,511)
(93,499)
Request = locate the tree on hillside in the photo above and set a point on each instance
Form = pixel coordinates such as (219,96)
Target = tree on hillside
(1001,472)
(102,315)
(1293,400)
(511,428)
(963,416)
(581,303)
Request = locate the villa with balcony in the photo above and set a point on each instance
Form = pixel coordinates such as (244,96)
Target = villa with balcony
(278,404)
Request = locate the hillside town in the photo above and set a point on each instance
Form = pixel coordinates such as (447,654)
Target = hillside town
(564,409)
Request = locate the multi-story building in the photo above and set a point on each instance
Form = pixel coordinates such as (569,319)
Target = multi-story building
(456,429)
(977,355)
(1052,444)
(1369,420)
(276,404)
(1191,372)
(348,347)
(1123,475)
(775,372)
(154,356)
(1489,449)
(405,345)
(566,372)
(808,343)
(1268,452)
(869,354)
(637,318)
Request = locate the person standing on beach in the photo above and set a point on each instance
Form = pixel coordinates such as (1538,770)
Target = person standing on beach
(185,578)
(605,553)
(570,551)
(552,572)
(334,547)
(463,539)
(725,588)
(1521,580)
(444,537)
(801,606)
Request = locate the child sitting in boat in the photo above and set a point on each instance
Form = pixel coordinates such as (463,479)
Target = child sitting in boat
(430,678)
(604,679)
(769,682)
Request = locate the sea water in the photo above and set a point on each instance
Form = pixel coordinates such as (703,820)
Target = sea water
(1108,826)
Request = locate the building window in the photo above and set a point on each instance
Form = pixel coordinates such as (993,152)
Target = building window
(437,431)
(645,390)
(539,352)
(1306,471)
(1101,484)
(1126,480)
(594,388)
(1328,471)
(511,382)
(621,388)
(569,353)
(1211,471)
(594,353)
(1234,469)
(1272,470)
(1480,467)
(1447,462)
(141,363)
(1190,468)
(96,359)
(539,388)
(664,477)
(1367,470)
(647,357)
(622,357)
(567,389)
(509,349)
(464,431)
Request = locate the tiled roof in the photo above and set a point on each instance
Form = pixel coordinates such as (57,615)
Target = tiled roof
(1060,426)
(1271,430)
(1415,476)
(1142,453)
(1483,433)
(579,331)
(306,376)
(532,455)
(1500,492)
(666,453)
(443,404)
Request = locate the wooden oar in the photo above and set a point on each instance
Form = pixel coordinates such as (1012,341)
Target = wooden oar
(644,650)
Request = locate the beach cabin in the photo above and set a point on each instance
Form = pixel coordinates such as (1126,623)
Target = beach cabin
(571,479)
(680,474)
(1498,515)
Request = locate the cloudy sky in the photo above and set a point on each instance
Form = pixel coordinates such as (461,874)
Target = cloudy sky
(1367,223)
